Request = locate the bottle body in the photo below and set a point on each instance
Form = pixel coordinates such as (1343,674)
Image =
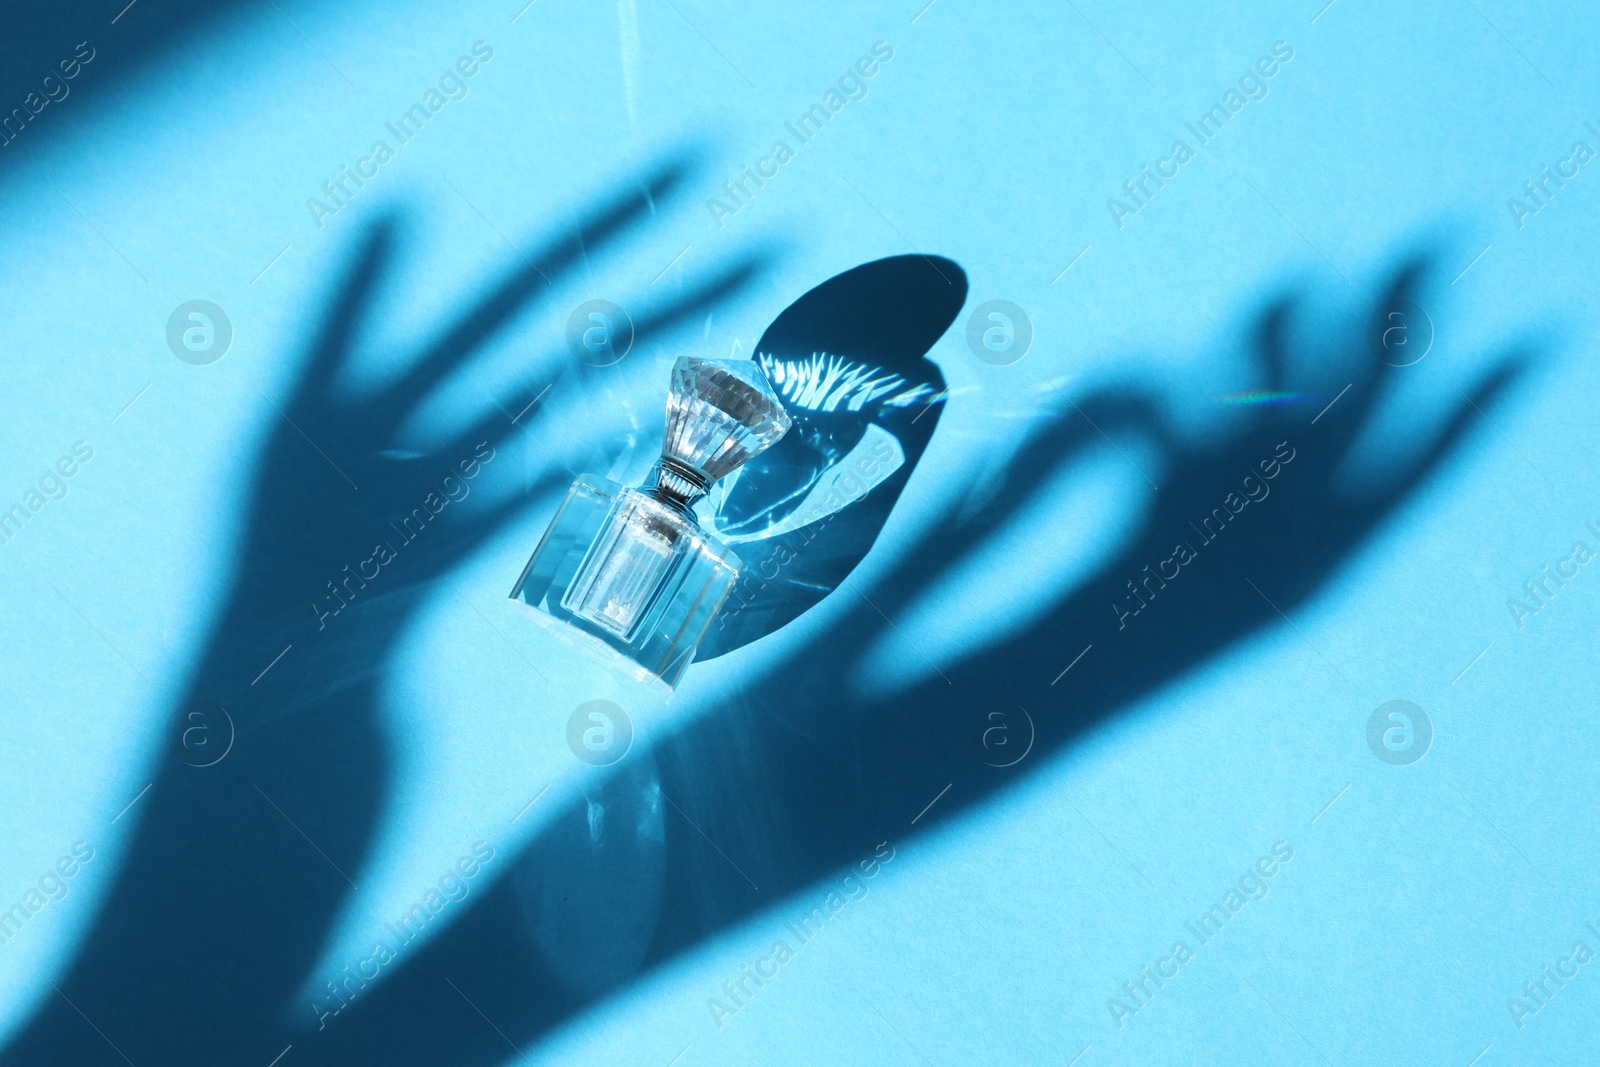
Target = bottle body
(630,578)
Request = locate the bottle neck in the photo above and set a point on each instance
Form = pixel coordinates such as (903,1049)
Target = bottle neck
(676,484)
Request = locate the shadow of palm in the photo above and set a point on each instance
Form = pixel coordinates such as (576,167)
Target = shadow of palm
(796,777)
(238,870)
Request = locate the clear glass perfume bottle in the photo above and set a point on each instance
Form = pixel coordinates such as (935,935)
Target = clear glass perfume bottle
(628,574)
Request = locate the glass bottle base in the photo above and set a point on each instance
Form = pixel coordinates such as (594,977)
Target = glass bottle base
(628,579)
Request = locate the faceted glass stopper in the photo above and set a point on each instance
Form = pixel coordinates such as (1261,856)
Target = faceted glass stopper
(719,414)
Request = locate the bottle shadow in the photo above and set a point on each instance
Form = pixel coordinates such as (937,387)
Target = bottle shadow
(798,776)
(849,360)
(241,863)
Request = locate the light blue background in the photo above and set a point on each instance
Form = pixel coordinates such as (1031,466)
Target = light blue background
(1414,907)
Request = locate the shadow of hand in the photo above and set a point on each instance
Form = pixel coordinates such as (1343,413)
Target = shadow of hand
(1326,506)
(239,868)
(797,775)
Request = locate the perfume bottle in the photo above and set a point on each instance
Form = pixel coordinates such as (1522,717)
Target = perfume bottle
(628,574)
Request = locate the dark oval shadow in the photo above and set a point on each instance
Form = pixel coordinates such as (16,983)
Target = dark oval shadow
(849,359)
